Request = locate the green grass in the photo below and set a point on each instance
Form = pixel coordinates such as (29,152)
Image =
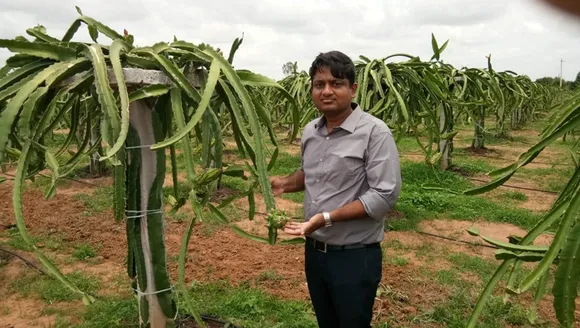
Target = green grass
(399,261)
(491,139)
(212,224)
(455,311)
(449,277)
(425,250)
(471,165)
(235,183)
(63,314)
(269,275)
(465,263)
(83,252)
(395,244)
(408,144)
(100,201)
(44,182)
(112,312)
(418,204)
(15,240)
(244,306)
(549,178)
(55,140)
(515,195)
(249,307)
(52,290)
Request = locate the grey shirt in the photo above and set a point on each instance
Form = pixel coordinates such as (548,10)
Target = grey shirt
(358,160)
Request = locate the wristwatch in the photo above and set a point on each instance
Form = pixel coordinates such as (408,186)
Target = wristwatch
(327,222)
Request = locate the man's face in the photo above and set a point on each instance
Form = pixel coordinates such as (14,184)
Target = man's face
(330,94)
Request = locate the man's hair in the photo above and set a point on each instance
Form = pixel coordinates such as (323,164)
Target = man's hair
(341,66)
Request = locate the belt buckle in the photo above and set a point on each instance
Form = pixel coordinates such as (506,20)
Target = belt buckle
(325,247)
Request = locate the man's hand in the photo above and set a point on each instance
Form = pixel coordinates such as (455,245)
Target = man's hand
(305,228)
(287,184)
(277,185)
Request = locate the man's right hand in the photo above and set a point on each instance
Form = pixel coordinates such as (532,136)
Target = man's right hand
(277,185)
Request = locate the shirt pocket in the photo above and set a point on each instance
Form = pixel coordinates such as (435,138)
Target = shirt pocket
(342,170)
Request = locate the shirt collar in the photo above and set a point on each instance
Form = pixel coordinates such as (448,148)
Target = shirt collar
(349,123)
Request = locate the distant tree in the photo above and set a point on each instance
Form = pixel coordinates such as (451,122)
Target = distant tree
(290,68)
(555,81)
(548,81)
(576,82)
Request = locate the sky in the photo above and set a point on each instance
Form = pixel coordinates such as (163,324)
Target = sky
(524,36)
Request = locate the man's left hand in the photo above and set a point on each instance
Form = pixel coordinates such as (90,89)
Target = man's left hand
(305,228)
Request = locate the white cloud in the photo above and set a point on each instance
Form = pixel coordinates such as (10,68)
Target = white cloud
(535,27)
(521,35)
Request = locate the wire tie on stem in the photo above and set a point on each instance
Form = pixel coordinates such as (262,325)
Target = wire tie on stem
(140,293)
(141,211)
(142,215)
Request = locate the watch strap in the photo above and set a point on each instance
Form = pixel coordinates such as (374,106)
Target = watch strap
(327,222)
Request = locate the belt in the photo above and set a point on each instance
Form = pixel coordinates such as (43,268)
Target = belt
(324,247)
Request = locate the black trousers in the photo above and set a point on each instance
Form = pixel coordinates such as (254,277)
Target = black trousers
(343,285)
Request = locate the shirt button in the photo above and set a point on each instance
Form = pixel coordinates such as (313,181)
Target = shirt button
(321,159)
(327,138)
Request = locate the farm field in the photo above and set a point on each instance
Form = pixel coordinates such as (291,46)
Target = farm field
(428,281)
(135,188)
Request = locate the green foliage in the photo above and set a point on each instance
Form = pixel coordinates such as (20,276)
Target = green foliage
(413,96)
(37,103)
(564,246)
(555,82)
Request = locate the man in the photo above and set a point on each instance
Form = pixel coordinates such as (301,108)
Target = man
(351,177)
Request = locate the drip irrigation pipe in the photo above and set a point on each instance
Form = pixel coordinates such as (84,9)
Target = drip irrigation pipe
(66,178)
(30,264)
(516,187)
(500,158)
(456,240)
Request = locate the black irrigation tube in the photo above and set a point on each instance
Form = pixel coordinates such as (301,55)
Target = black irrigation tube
(30,264)
(456,240)
(500,158)
(516,187)
(9,226)
(66,178)
(206,317)
(533,162)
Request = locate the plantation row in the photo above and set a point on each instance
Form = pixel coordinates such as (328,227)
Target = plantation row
(431,98)
(91,89)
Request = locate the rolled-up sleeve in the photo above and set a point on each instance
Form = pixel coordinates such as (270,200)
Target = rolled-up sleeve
(383,174)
